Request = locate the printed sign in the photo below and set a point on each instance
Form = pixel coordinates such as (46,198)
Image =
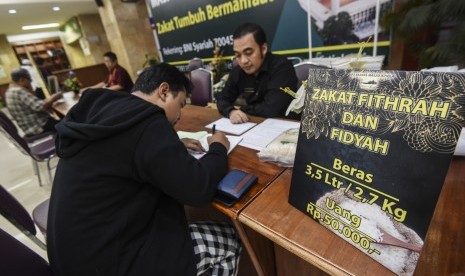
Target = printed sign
(188,29)
(373,152)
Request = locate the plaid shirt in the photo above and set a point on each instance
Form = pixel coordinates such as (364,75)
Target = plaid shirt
(26,109)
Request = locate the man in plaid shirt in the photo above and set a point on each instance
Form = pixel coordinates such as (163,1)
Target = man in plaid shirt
(29,112)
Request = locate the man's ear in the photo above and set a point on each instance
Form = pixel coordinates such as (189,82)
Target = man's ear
(264,48)
(163,90)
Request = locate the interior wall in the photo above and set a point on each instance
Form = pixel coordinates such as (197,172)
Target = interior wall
(8,59)
(89,49)
(75,55)
(95,37)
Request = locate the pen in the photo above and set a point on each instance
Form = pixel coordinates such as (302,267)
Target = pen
(213,129)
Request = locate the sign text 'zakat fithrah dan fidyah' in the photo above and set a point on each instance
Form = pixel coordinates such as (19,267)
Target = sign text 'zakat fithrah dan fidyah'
(373,151)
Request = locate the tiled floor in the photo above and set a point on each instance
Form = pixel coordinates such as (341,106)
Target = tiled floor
(17,176)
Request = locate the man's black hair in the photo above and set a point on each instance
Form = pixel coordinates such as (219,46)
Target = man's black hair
(151,78)
(251,28)
(18,74)
(40,61)
(111,56)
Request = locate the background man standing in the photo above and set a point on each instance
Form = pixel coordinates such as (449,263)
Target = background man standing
(257,80)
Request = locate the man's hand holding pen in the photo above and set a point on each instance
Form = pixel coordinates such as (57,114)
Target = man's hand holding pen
(218,136)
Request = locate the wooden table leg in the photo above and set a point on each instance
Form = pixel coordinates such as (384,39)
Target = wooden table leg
(248,247)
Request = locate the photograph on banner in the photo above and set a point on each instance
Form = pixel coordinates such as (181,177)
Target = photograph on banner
(373,151)
(346,21)
(188,29)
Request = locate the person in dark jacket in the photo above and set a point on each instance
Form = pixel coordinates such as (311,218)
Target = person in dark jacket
(117,199)
(259,80)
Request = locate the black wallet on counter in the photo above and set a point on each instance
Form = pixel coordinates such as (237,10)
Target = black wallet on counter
(233,186)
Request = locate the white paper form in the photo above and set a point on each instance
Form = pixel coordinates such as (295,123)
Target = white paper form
(460,149)
(233,142)
(192,135)
(263,134)
(225,125)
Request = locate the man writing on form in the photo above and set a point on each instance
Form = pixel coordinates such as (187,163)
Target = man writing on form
(121,182)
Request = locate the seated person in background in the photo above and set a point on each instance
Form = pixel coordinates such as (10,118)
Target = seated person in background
(30,113)
(35,77)
(123,176)
(118,78)
(258,79)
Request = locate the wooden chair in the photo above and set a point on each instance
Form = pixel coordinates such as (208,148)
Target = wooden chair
(302,69)
(15,213)
(233,62)
(18,259)
(194,63)
(41,148)
(202,90)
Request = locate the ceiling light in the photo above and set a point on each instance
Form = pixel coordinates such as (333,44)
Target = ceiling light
(40,26)
(56,8)
(12,11)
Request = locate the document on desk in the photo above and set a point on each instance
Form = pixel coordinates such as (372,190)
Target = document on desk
(233,142)
(192,135)
(261,135)
(225,125)
(460,149)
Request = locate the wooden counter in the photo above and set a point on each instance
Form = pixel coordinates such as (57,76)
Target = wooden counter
(271,215)
(62,106)
(88,75)
(195,118)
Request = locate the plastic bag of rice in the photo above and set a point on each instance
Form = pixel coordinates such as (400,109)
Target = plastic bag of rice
(281,150)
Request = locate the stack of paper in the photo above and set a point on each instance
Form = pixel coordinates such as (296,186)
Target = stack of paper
(224,124)
(192,135)
(233,142)
(261,135)
(202,137)
(460,149)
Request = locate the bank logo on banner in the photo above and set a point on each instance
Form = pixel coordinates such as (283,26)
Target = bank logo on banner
(156,3)
(373,151)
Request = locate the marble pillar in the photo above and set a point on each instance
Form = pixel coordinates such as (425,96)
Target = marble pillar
(8,60)
(129,33)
